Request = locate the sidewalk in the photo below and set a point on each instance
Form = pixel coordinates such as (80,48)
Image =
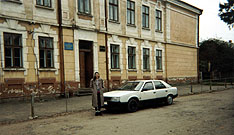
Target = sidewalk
(11,112)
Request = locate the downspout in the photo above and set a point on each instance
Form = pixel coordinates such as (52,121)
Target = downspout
(165,38)
(198,31)
(107,61)
(1,66)
(61,56)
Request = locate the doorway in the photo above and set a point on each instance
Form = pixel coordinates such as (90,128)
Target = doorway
(86,62)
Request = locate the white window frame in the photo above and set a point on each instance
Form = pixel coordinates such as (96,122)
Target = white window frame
(12,26)
(160,22)
(116,41)
(156,59)
(146,44)
(46,31)
(130,13)
(159,46)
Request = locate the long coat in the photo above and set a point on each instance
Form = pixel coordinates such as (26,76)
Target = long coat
(94,95)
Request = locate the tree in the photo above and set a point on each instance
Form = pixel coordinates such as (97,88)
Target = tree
(220,55)
(226,12)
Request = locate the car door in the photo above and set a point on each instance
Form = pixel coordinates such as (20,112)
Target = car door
(161,89)
(148,91)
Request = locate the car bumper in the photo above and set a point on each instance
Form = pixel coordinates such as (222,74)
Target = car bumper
(116,105)
(174,96)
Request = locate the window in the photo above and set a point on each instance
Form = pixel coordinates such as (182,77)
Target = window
(159,85)
(158,21)
(114,56)
(84,6)
(131,57)
(159,59)
(146,65)
(131,12)
(145,17)
(113,10)
(46,3)
(46,52)
(13,50)
(148,86)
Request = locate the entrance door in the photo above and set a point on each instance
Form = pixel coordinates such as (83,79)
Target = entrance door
(86,62)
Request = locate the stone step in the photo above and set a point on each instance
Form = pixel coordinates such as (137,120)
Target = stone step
(84,92)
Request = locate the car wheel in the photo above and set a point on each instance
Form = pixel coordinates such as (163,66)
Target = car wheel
(169,100)
(132,105)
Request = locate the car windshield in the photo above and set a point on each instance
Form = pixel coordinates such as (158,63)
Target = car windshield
(131,86)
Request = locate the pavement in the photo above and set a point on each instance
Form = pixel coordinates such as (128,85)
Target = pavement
(20,110)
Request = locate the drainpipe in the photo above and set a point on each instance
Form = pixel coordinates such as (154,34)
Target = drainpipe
(198,31)
(107,61)
(61,56)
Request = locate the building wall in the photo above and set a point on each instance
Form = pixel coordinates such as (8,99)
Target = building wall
(181,63)
(177,40)
(183,26)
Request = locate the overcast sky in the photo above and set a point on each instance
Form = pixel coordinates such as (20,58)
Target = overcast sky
(210,24)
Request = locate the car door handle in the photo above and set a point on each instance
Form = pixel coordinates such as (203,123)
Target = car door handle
(154,92)
(166,91)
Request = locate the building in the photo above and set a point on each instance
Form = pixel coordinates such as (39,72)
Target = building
(52,46)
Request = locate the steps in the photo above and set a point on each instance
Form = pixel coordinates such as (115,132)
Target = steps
(84,92)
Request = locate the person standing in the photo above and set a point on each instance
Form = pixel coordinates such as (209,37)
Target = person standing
(97,97)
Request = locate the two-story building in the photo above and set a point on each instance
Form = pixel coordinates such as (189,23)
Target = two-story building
(52,46)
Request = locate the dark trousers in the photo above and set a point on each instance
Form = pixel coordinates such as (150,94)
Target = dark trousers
(99,102)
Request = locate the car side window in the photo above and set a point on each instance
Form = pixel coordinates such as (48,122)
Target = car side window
(148,86)
(159,85)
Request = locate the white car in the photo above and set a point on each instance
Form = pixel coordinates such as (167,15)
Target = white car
(133,93)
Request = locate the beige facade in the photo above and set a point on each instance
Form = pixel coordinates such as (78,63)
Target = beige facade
(85,32)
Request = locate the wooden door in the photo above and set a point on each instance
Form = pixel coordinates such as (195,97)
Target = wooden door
(82,69)
(86,63)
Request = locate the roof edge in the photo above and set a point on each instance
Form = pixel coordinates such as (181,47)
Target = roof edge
(186,6)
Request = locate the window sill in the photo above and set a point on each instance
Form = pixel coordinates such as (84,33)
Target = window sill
(15,1)
(14,69)
(115,69)
(144,28)
(132,70)
(146,70)
(44,7)
(47,69)
(158,31)
(131,25)
(159,70)
(113,21)
(85,14)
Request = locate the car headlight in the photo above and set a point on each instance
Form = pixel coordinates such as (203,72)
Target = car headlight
(115,99)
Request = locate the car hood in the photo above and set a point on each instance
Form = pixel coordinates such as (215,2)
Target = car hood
(118,93)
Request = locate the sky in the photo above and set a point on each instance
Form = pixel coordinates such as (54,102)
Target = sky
(211,26)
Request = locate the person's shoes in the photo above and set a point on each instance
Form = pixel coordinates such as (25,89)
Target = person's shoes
(100,114)
(96,113)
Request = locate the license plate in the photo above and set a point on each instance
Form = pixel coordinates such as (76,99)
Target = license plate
(105,103)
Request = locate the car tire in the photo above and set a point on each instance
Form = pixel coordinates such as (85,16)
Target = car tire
(169,100)
(132,105)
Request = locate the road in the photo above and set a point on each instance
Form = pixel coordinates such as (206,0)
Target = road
(202,114)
